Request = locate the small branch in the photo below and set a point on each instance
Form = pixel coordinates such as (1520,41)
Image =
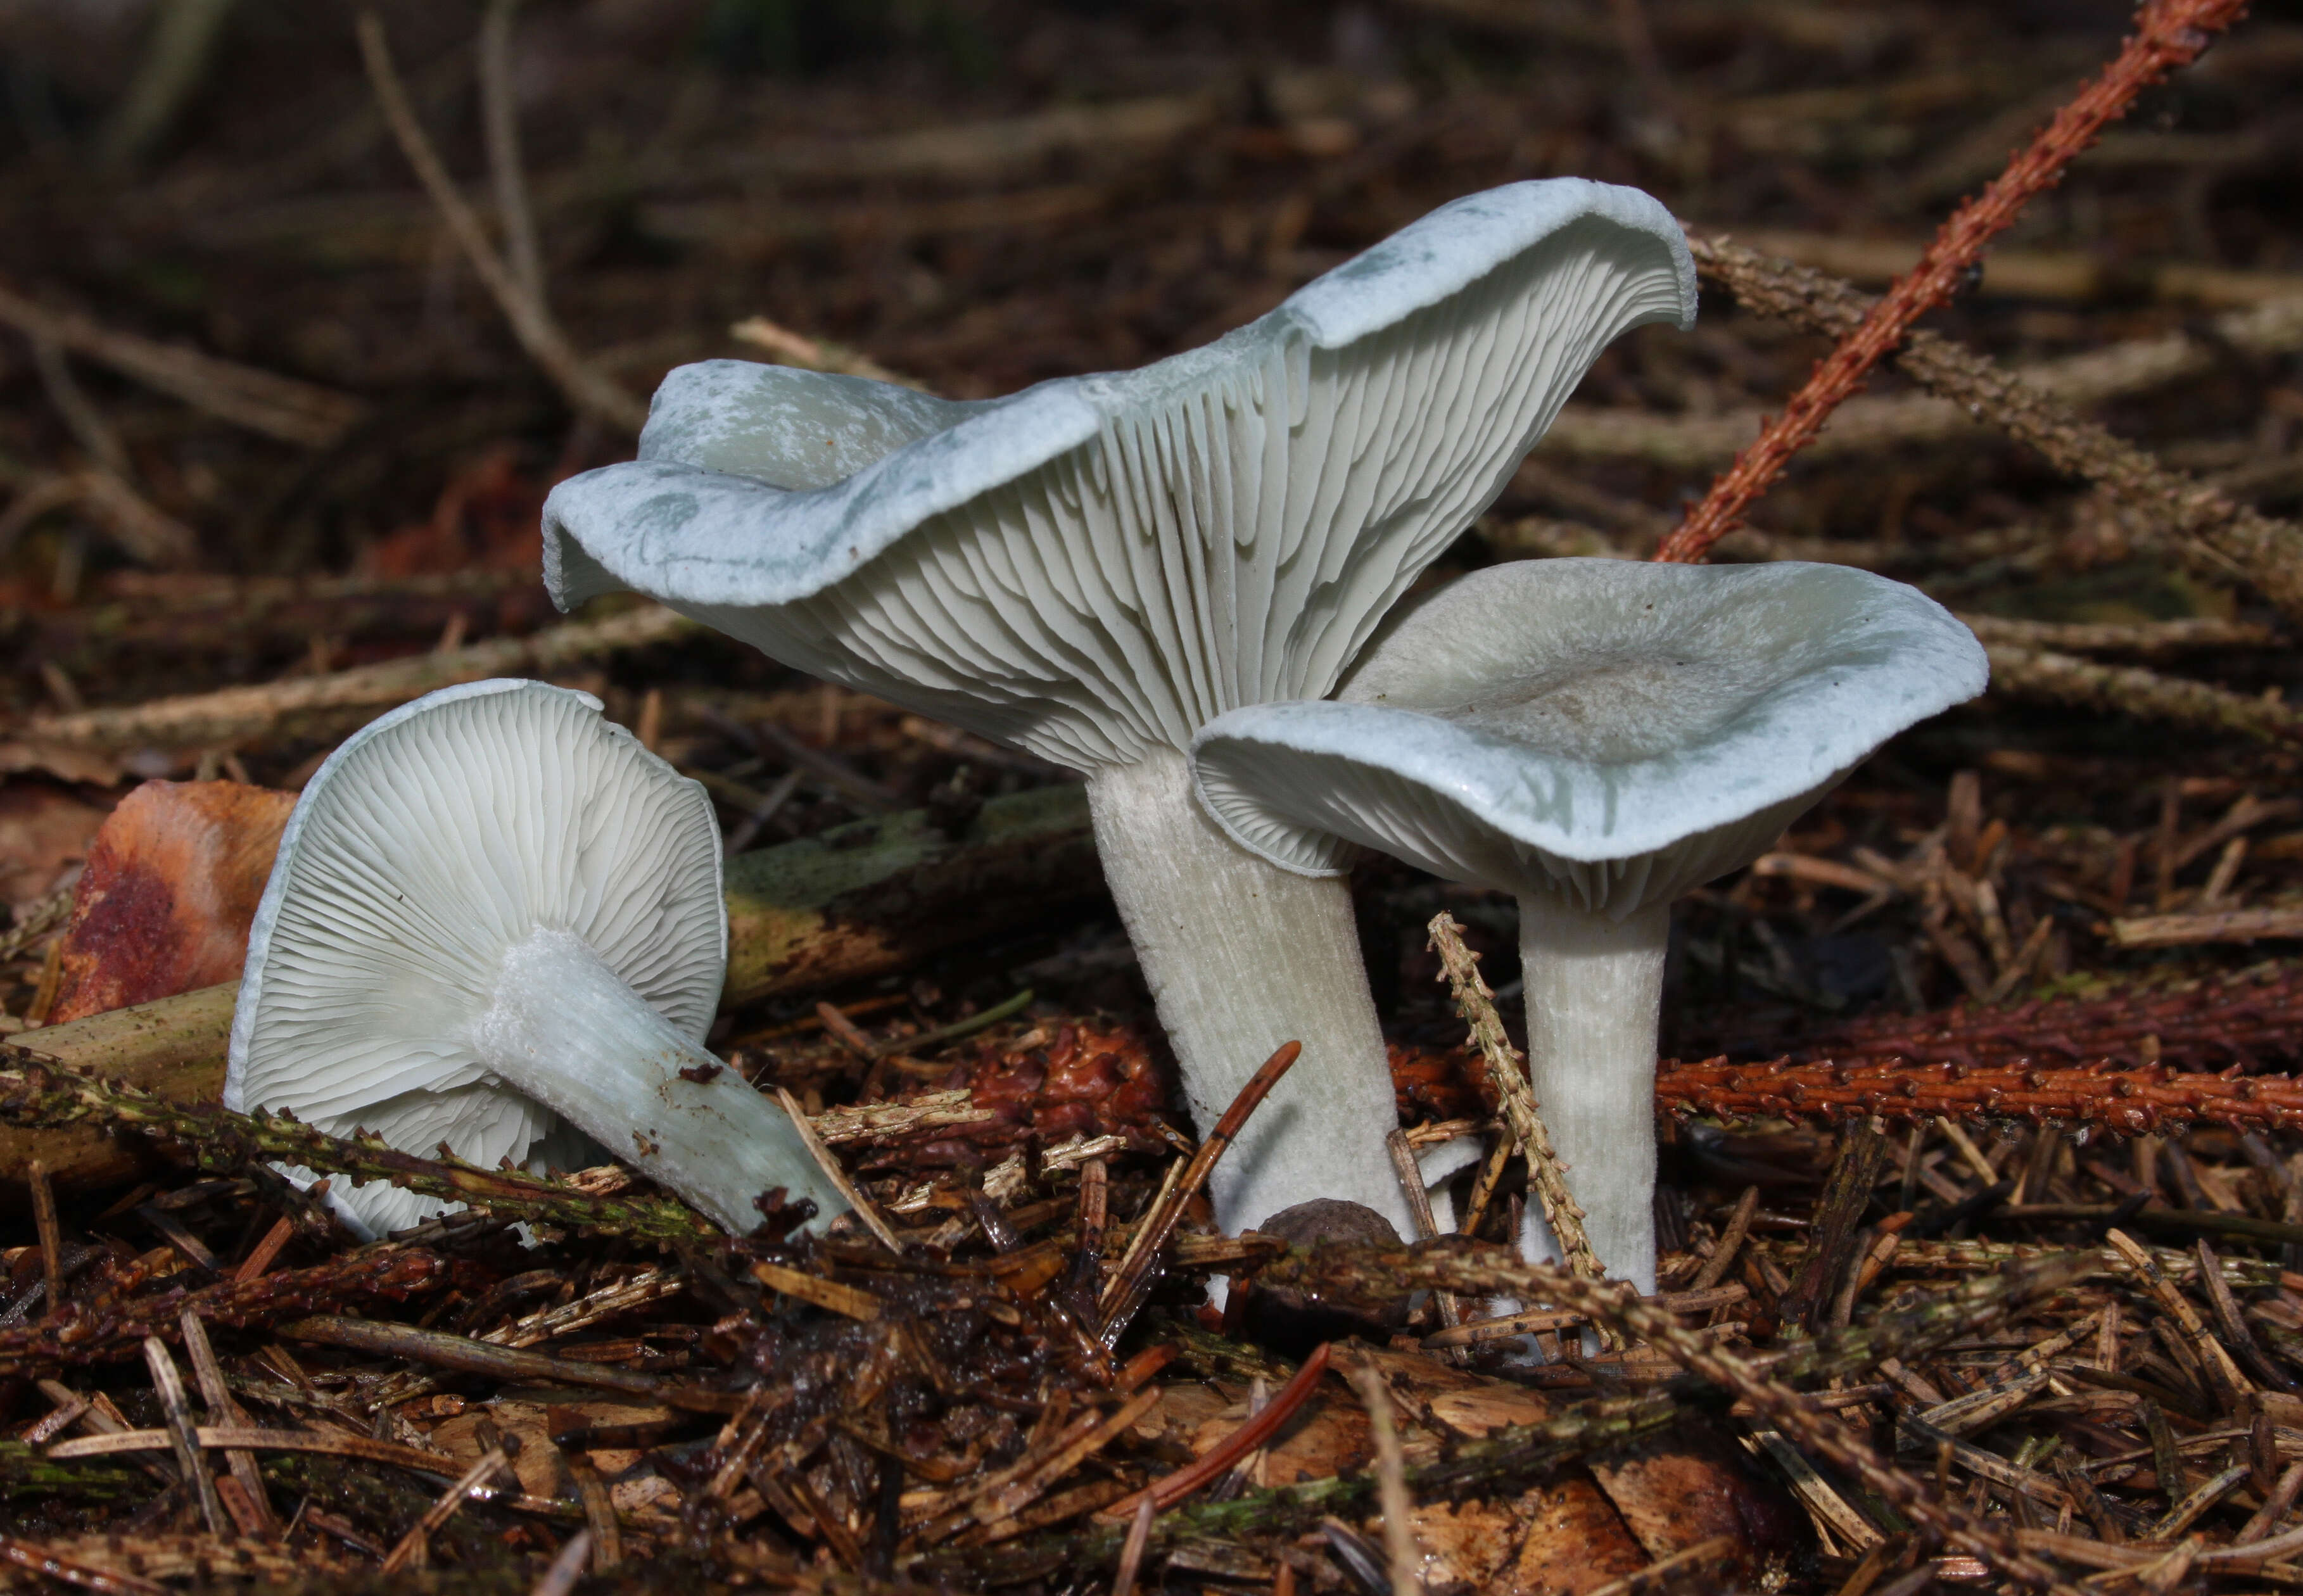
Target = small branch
(2131,690)
(1400,1550)
(2210,531)
(1127,1291)
(579,383)
(40,1092)
(50,1236)
(1507,1073)
(1419,1211)
(566,1567)
(216,1396)
(2129,1101)
(858,1202)
(2170,34)
(1731,1241)
(2205,632)
(500,111)
(1862,1149)
(787,348)
(2188,931)
(115,1332)
(234,715)
(412,1550)
(175,59)
(279,406)
(86,423)
(168,1381)
(439,1350)
(107,488)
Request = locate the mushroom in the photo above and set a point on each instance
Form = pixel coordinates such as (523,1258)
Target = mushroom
(1596,737)
(494,916)
(1092,569)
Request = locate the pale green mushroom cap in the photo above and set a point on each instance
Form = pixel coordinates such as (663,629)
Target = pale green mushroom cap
(1612,731)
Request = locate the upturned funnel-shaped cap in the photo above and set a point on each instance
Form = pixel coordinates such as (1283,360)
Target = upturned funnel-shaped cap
(427,846)
(1100,565)
(1613,732)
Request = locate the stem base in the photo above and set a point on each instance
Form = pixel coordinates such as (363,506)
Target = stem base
(569,1032)
(1594,992)
(1242,956)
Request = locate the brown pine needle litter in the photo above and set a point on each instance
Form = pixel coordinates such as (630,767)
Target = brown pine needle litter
(1980,1218)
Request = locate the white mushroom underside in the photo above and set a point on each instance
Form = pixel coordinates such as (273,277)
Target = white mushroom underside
(1234,542)
(426,848)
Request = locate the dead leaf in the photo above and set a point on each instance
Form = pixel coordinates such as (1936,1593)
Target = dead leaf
(1328,1435)
(173,881)
(1679,1490)
(1470,1405)
(1576,1542)
(538,1462)
(1466,1545)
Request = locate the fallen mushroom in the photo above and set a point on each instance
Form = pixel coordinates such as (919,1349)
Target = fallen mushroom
(1596,737)
(1094,567)
(495,917)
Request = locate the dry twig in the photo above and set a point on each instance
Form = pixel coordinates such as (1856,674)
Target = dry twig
(1507,1072)
(233,716)
(1405,1557)
(582,384)
(1125,1295)
(2213,533)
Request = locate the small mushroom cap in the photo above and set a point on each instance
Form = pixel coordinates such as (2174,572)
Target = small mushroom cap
(428,845)
(1099,565)
(1615,731)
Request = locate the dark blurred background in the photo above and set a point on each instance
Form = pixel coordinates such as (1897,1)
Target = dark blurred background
(983,193)
(238,345)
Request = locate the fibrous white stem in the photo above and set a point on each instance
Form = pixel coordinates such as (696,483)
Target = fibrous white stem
(1594,993)
(570,1033)
(1241,957)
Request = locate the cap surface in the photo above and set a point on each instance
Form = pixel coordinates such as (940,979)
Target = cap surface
(1100,565)
(1616,731)
(430,843)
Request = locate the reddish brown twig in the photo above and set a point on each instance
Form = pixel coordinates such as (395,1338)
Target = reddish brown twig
(2130,1102)
(1165,1493)
(2249,1018)
(2169,34)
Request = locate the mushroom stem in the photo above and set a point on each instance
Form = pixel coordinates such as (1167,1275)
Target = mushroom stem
(569,1032)
(1594,993)
(1242,956)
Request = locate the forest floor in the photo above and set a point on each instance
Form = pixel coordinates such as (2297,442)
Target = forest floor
(1982,1204)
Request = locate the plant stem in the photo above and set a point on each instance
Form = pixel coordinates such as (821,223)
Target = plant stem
(1594,991)
(1506,1070)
